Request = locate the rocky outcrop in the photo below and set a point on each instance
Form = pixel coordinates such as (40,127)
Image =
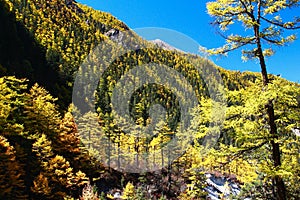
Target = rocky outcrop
(221,186)
(164,45)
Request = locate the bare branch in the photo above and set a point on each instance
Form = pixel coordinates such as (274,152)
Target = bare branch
(259,11)
(240,153)
(247,40)
(272,41)
(282,25)
(250,14)
(232,48)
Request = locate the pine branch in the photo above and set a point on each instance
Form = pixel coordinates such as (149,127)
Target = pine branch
(282,25)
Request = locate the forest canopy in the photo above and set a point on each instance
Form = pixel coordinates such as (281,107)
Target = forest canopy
(47,153)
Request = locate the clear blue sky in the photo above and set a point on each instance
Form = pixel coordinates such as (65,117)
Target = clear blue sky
(189,17)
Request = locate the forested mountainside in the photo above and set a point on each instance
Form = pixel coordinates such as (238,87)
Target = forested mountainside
(46,41)
(42,46)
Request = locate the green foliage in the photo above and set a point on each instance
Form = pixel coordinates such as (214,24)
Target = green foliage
(264,28)
(31,123)
(57,37)
(197,184)
(41,154)
(245,142)
(22,56)
(129,191)
(262,15)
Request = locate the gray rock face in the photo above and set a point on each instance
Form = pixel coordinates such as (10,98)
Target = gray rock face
(296,131)
(115,35)
(221,187)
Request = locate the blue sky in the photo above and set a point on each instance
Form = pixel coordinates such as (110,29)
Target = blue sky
(190,18)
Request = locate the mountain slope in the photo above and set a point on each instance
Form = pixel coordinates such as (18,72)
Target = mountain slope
(64,31)
(46,41)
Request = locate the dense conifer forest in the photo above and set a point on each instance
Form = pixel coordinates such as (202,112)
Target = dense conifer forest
(45,150)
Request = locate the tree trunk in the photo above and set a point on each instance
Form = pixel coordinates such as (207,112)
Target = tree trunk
(280,191)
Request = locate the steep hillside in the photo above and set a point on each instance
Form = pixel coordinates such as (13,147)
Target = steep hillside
(46,41)
(48,152)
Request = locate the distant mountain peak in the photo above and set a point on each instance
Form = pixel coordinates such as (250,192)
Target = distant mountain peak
(162,44)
